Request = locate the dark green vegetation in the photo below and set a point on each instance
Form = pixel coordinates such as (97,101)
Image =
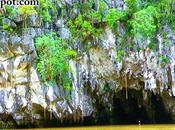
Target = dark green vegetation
(53,56)
(143,19)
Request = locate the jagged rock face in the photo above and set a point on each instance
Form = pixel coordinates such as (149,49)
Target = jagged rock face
(23,94)
(18,76)
(97,76)
(139,71)
(92,71)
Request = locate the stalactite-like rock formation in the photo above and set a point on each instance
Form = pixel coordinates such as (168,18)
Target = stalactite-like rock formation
(101,84)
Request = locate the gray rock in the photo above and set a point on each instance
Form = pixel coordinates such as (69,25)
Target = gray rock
(64,33)
(8,22)
(60,23)
(34,21)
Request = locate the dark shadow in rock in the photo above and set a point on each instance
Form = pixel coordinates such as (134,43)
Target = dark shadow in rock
(161,115)
(133,109)
(7,121)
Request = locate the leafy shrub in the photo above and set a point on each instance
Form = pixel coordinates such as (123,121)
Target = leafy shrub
(98,15)
(10,10)
(44,8)
(143,23)
(113,16)
(166,8)
(52,58)
(26,10)
(133,5)
(84,25)
(83,29)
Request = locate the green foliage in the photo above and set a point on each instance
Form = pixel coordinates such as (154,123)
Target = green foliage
(52,58)
(144,23)
(98,15)
(44,8)
(102,6)
(83,29)
(85,7)
(167,43)
(152,46)
(163,60)
(86,26)
(10,10)
(71,53)
(106,88)
(113,16)
(142,19)
(120,55)
(26,10)
(7,27)
(1,17)
(166,8)
(133,5)
(45,16)
(130,46)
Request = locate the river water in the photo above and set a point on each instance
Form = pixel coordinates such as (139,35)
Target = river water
(126,127)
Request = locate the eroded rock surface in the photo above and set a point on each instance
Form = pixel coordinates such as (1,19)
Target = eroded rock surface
(97,77)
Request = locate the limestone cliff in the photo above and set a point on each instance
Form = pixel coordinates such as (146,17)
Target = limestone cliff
(98,78)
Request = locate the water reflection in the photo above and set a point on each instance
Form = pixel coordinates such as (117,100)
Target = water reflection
(129,127)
